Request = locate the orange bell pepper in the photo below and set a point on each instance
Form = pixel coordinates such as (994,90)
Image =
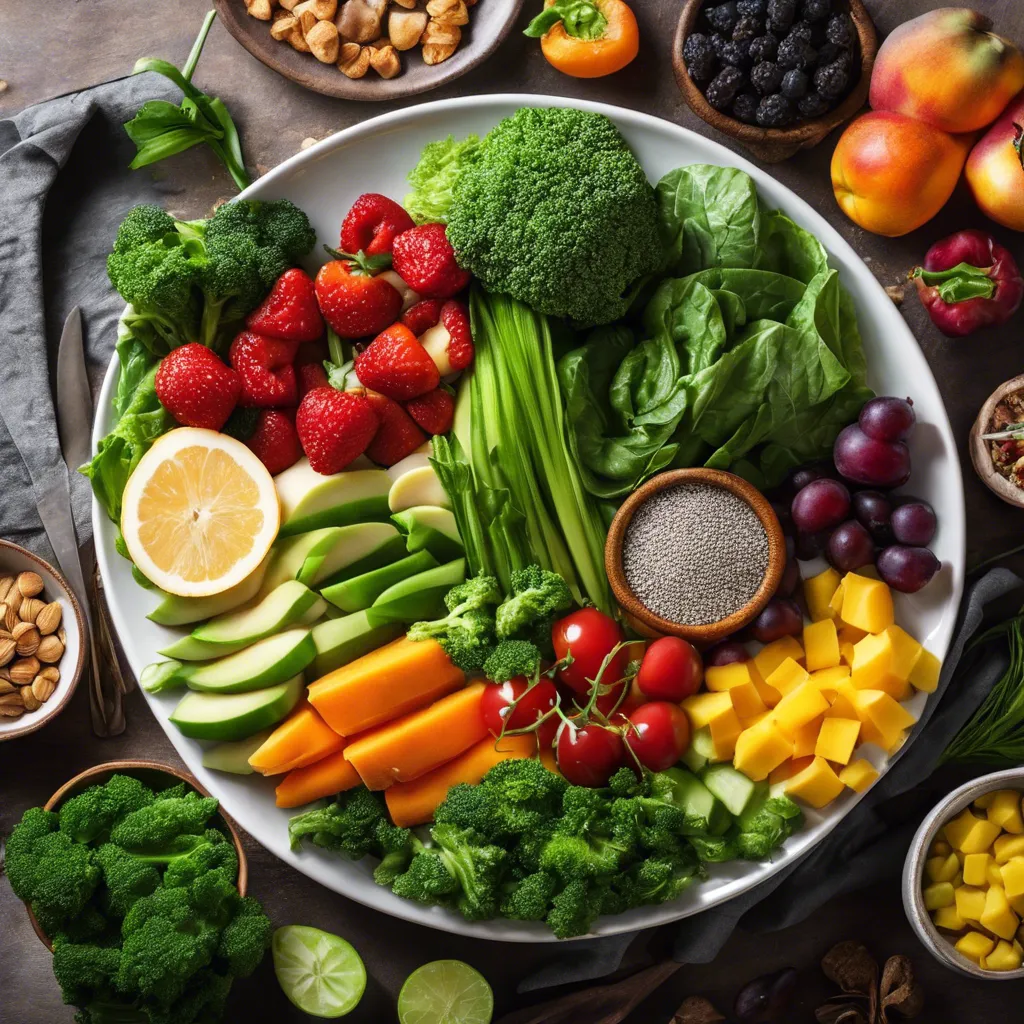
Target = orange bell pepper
(586,38)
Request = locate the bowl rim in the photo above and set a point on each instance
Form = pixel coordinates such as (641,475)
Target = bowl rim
(704,633)
(38,721)
(913,872)
(127,766)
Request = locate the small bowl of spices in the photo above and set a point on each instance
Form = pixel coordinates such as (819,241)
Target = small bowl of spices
(695,553)
(997,442)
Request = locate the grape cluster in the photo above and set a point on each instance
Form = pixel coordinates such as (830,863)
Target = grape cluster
(773,62)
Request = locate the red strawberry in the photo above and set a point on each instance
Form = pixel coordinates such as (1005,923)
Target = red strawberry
(433,411)
(422,315)
(449,343)
(311,376)
(290,311)
(397,365)
(397,436)
(425,260)
(372,224)
(196,388)
(275,441)
(265,366)
(353,301)
(335,427)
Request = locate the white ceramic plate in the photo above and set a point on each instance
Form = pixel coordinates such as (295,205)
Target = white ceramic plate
(377,154)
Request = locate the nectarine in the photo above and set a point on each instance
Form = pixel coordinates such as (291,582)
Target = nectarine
(892,173)
(945,67)
(994,171)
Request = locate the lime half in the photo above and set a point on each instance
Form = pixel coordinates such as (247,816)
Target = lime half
(445,992)
(320,973)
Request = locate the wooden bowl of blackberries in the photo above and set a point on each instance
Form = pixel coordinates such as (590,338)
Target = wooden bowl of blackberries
(776,75)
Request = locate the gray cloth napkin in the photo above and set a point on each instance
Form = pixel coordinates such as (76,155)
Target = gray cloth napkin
(64,188)
(868,845)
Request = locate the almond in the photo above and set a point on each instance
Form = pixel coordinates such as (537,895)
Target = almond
(52,673)
(24,670)
(29,699)
(42,688)
(30,608)
(8,648)
(14,599)
(49,650)
(6,582)
(27,637)
(6,687)
(8,700)
(30,584)
(49,618)
(12,710)
(10,617)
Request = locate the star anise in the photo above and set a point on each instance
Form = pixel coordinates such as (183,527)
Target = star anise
(867,998)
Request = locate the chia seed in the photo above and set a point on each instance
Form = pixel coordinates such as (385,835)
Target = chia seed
(695,553)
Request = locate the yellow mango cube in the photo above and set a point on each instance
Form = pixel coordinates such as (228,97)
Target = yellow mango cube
(977,837)
(970,902)
(725,730)
(1003,958)
(828,679)
(1017,902)
(1007,847)
(976,868)
(1012,875)
(749,723)
(821,645)
(841,706)
(772,655)
(798,707)
(768,694)
(940,848)
(788,769)
(939,894)
(944,869)
(858,775)
(724,677)
(850,634)
(984,802)
(761,748)
(874,667)
(867,603)
(905,651)
(883,718)
(746,700)
(994,874)
(787,677)
(805,739)
(704,708)
(957,828)
(974,945)
(837,738)
(998,916)
(1005,811)
(816,785)
(925,673)
(835,606)
(846,651)
(948,919)
(818,592)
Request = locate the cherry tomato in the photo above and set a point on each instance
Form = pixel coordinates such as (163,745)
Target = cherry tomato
(657,734)
(589,635)
(588,756)
(498,697)
(671,670)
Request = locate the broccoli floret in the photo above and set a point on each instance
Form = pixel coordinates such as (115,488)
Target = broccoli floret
(574,909)
(555,211)
(763,829)
(19,858)
(467,632)
(537,597)
(86,973)
(530,898)
(212,852)
(127,878)
(163,827)
(354,824)
(510,659)
(435,174)
(245,938)
(91,815)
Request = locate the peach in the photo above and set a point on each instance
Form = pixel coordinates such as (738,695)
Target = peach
(994,170)
(948,69)
(892,173)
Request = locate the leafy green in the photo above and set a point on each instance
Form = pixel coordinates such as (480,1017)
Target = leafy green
(434,176)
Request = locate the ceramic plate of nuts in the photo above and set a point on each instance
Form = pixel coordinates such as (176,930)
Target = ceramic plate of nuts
(41,642)
(369,49)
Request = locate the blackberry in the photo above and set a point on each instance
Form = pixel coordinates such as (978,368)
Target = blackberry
(781,14)
(794,84)
(763,48)
(700,58)
(829,53)
(724,87)
(813,105)
(832,80)
(816,10)
(840,30)
(718,41)
(744,107)
(735,55)
(723,17)
(752,8)
(747,28)
(766,77)
(801,30)
(774,112)
(795,53)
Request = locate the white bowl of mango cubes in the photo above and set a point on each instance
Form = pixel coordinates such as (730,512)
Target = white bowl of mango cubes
(969,913)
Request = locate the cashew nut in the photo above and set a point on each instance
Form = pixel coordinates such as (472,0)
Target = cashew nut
(439,41)
(448,12)
(297,40)
(384,60)
(322,10)
(261,9)
(353,60)
(283,24)
(405,28)
(323,40)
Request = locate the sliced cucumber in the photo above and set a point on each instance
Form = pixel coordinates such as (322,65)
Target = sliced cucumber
(421,596)
(266,663)
(693,760)
(360,592)
(732,787)
(310,501)
(233,716)
(232,756)
(703,745)
(694,798)
(279,609)
(417,485)
(181,611)
(339,641)
(429,528)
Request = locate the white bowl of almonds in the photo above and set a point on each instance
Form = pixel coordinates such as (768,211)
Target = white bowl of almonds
(42,642)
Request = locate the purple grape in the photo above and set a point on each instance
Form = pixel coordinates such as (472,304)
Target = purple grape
(850,546)
(820,505)
(907,569)
(790,578)
(728,652)
(781,617)
(914,523)
(888,419)
(811,545)
(781,509)
(873,510)
(864,460)
(802,477)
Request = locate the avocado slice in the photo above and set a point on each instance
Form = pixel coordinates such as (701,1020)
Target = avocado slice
(310,501)
(267,662)
(339,641)
(352,595)
(232,756)
(181,611)
(430,528)
(421,596)
(234,716)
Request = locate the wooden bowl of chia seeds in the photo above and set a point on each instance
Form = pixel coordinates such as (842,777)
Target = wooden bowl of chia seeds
(695,553)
